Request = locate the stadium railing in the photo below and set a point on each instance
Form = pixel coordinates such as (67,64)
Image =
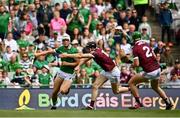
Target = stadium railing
(167,85)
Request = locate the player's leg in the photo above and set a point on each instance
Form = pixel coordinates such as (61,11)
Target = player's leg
(98,83)
(155,86)
(134,90)
(65,87)
(117,88)
(57,83)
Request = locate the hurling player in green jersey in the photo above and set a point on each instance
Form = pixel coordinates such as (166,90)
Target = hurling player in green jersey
(63,79)
(64,76)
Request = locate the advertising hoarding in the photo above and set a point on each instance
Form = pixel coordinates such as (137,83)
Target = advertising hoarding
(79,98)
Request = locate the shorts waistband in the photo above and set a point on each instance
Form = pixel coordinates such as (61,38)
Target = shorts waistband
(114,68)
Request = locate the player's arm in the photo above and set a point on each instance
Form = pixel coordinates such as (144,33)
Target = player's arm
(41,53)
(81,62)
(78,55)
(72,64)
(136,57)
(65,63)
(49,51)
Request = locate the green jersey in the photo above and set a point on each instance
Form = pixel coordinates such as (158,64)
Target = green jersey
(70,50)
(50,58)
(31,55)
(3,64)
(89,70)
(39,64)
(12,67)
(45,78)
(85,13)
(4,18)
(138,69)
(145,37)
(75,23)
(93,24)
(96,67)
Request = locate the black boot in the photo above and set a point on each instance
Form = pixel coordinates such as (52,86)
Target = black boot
(169,105)
(53,108)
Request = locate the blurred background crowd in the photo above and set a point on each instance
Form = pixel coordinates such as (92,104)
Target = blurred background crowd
(30,26)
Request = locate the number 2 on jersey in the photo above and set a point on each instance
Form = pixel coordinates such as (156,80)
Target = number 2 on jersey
(148,52)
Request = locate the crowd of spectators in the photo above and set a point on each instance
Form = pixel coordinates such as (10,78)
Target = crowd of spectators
(31,26)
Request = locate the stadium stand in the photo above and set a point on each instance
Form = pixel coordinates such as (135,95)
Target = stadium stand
(39,25)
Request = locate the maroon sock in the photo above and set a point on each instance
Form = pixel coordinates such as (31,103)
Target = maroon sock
(92,103)
(138,100)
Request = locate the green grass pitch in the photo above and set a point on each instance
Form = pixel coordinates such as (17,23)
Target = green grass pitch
(87,113)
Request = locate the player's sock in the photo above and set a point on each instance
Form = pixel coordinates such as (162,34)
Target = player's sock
(138,104)
(138,101)
(92,103)
(54,100)
(90,107)
(54,103)
(167,101)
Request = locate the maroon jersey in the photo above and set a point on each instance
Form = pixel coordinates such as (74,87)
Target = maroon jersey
(175,71)
(146,57)
(103,60)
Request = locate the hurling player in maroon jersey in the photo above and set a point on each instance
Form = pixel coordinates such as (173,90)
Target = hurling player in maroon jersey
(145,57)
(110,70)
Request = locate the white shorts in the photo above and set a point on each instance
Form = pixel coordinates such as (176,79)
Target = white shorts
(65,76)
(152,75)
(113,75)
